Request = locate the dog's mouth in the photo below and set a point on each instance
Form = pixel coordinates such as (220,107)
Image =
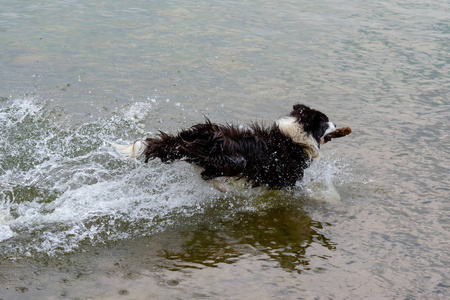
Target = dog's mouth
(331,128)
(322,140)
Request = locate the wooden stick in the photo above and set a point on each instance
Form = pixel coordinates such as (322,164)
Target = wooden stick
(338,133)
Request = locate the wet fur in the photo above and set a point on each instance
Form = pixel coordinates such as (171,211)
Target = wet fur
(275,156)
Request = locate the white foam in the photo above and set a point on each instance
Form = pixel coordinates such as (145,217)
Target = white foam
(320,180)
(138,110)
(5,231)
(63,184)
(18,110)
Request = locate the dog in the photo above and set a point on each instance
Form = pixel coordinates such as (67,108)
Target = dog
(274,156)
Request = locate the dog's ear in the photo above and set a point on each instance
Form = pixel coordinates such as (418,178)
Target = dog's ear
(298,106)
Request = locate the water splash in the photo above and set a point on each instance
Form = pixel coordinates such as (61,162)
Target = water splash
(321,178)
(62,186)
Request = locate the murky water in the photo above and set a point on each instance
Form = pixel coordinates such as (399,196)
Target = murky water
(369,220)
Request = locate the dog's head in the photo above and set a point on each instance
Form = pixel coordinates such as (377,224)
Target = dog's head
(306,127)
(314,122)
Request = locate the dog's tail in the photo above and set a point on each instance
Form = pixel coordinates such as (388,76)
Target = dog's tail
(134,150)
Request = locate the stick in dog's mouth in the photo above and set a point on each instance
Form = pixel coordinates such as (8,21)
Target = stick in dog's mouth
(338,133)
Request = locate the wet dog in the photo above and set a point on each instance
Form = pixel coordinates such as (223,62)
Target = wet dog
(274,156)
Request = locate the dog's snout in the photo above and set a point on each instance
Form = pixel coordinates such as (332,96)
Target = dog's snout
(332,126)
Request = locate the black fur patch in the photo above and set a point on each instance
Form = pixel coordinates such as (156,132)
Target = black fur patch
(262,155)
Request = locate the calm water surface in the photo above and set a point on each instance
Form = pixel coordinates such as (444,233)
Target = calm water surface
(370,219)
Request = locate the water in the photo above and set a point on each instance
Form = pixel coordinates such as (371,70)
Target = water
(369,220)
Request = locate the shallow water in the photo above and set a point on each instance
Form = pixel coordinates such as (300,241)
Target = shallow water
(369,220)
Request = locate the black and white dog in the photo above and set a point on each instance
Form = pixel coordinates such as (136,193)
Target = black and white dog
(274,156)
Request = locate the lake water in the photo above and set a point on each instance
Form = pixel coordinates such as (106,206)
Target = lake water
(371,219)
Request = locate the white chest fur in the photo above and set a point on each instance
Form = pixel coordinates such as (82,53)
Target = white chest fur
(292,129)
